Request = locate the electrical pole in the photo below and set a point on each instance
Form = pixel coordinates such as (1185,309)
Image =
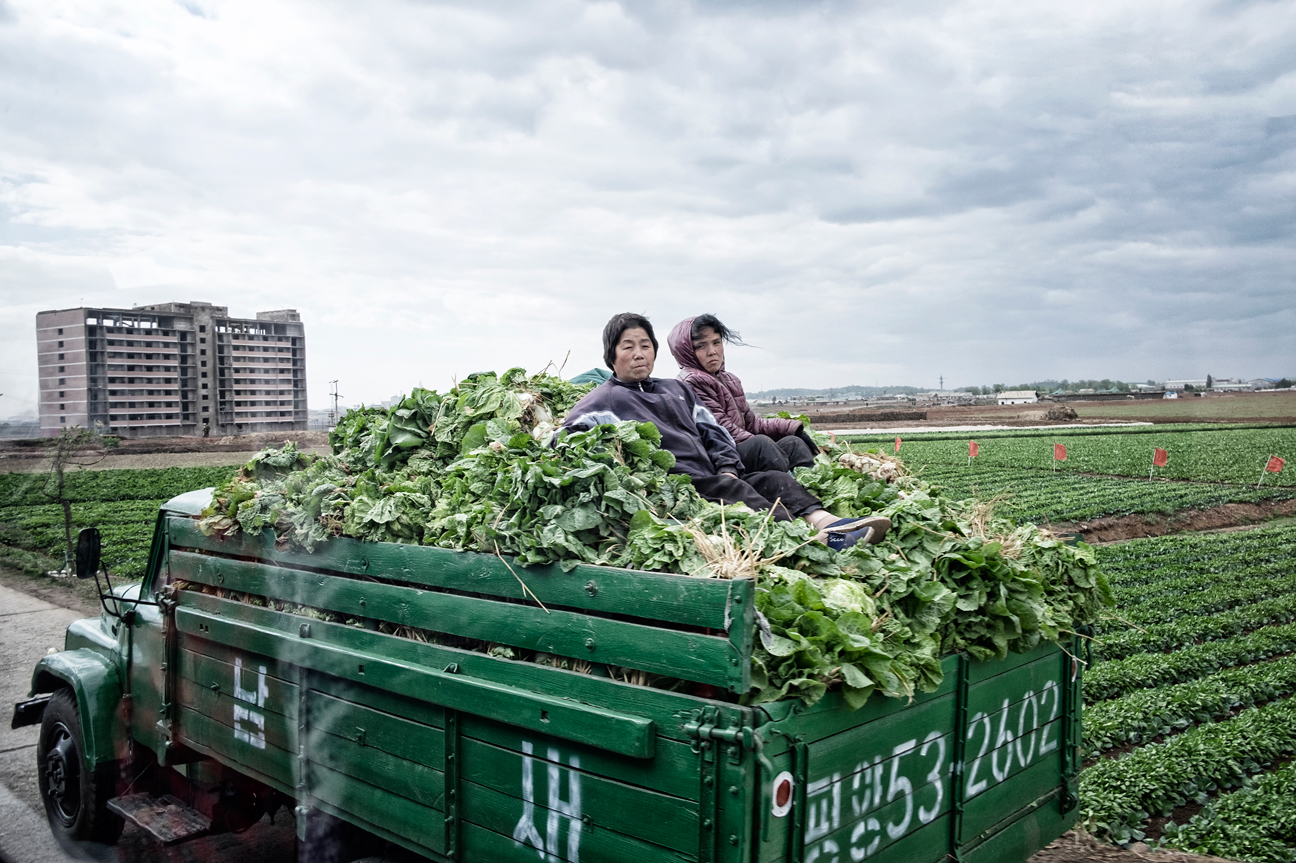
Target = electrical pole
(942,383)
(333,414)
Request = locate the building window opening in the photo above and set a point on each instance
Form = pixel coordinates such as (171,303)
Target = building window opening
(60,332)
(60,343)
(63,420)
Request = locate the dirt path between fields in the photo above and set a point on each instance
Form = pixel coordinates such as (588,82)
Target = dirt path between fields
(1229,515)
(1078,847)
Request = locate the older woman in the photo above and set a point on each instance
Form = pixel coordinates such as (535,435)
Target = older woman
(763,443)
(702,448)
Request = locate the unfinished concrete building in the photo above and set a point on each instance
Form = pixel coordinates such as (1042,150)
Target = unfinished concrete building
(171,369)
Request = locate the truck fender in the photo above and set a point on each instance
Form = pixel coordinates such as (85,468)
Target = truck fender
(94,682)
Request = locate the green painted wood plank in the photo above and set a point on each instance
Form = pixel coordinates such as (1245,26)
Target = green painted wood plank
(606,590)
(605,804)
(980,670)
(1025,835)
(669,711)
(877,829)
(379,806)
(366,730)
(208,673)
(507,817)
(217,738)
(673,770)
(928,844)
(393,703)
(830,715)
(379,831)
(997,765)
(1000,803)
(483,846)
(373,767)
(878,738)
(225,653)
(626,734)
(1040,681)
(275,728)
(689,655)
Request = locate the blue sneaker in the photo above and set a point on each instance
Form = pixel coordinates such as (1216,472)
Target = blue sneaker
(839,541)
(846,532)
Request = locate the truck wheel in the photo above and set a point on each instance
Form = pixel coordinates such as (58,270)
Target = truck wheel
(76,801)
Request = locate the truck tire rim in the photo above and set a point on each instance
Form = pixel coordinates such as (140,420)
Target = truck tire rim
(63,774)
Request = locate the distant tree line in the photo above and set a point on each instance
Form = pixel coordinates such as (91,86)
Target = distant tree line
(1053,386)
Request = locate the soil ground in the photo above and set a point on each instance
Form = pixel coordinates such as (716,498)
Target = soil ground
(1275,408)
(1080,847)
(1230,516)
(29,456)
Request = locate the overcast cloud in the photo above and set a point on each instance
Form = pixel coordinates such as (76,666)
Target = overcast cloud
(989,191)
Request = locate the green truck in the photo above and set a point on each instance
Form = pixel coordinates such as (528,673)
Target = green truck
(194,704)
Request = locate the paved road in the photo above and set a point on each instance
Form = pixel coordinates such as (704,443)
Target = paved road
(29,627)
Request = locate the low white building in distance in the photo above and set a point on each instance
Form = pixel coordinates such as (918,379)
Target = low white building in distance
(1179,386)
(1018,397)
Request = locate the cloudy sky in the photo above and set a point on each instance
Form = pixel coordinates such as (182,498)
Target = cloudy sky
(992,191)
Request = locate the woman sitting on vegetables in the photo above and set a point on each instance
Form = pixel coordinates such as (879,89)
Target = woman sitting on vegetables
(701,446)
(763,443)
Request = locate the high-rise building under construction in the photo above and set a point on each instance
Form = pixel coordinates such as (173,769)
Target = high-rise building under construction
(171,369)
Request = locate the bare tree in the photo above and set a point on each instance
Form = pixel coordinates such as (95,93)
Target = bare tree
(71,441)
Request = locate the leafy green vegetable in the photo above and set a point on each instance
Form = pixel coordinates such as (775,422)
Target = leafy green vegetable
(481,468)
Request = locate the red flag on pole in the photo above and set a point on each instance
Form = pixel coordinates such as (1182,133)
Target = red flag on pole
(972,449)
(1275,465)
(897,444)
(1059,452)
(1160,458)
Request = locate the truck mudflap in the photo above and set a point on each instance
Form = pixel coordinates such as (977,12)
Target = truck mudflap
(97,687)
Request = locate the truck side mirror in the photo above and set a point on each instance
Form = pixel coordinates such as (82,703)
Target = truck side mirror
(87,552)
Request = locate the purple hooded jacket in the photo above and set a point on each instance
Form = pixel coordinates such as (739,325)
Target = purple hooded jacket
(722,392)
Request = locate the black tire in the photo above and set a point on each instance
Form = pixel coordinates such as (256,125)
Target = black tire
(76,801)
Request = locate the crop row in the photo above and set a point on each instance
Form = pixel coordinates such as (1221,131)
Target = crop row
(1148,713)
(1118,794)
(1146,670)
(86,486)
(1040,496)
(1208,601)
(1255,823)
(1187,631)
(127,528)
(1177,582)
(1217,455)
(1143,560)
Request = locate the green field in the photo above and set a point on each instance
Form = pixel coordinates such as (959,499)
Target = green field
(1193,687)
(1039,496)
(123,504)
(1223,455)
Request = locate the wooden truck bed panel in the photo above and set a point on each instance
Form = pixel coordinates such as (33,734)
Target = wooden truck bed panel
(464,756)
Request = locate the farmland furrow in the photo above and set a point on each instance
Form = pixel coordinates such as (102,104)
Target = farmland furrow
(1253,824)
(1148,713)
(1148,670)
(1117,795)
